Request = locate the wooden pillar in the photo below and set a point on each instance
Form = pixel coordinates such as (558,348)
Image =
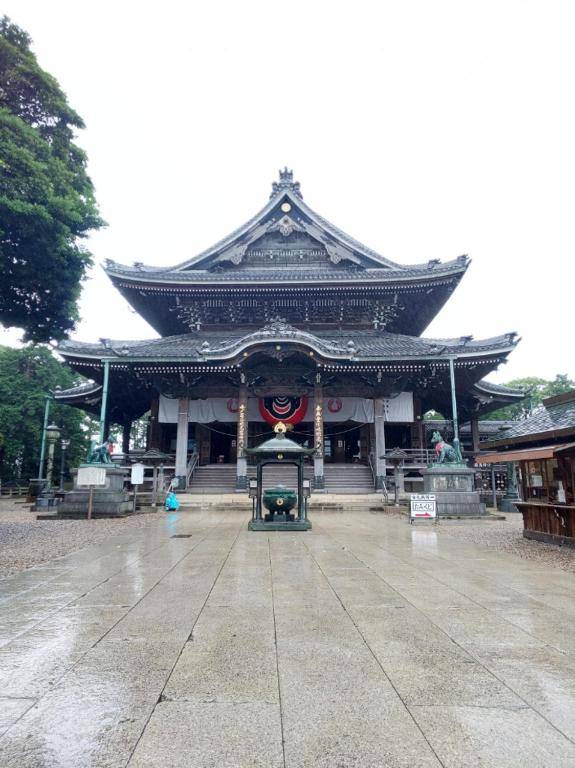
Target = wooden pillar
(379,429)
(242,439)
(182,441)
(318,477)
(475,434)
(363,442)
(203,443)
(154,428)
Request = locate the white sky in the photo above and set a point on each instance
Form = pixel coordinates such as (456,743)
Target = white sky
(424,129)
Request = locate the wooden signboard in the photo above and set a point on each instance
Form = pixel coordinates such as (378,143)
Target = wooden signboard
(91,476)
(137,475)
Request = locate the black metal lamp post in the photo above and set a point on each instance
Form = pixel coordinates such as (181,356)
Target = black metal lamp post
(64,445)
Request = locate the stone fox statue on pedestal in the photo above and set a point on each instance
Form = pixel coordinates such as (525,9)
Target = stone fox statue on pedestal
(444,453)
(100,454)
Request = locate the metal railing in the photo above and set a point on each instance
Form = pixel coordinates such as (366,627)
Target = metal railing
(191,468)
(421,456)
(371,460)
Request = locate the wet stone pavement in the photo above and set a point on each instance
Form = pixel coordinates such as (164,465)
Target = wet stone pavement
(364,642)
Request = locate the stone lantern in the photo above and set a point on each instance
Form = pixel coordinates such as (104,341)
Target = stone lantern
(52,435)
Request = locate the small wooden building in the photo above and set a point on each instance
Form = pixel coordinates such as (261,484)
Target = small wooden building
(543,446)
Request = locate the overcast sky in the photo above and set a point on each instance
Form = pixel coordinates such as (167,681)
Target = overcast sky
(424,129)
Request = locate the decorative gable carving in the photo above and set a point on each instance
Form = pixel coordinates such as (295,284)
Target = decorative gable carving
(283,242)
(286,226)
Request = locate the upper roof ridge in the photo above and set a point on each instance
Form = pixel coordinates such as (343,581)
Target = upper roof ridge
(285,183)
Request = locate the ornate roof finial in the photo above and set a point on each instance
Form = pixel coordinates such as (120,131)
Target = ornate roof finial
(286,182)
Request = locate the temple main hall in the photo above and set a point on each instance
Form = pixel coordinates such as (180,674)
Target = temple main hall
(288,319)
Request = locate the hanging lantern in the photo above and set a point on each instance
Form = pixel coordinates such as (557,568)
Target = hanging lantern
(289,410)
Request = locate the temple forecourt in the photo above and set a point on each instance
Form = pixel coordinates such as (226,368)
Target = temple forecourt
(289,319)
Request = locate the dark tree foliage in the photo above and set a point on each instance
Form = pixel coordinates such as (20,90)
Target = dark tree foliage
(25,377)
(47,203)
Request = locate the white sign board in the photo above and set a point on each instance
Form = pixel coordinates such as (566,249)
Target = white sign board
(423,506)
(91,476)
(137,476)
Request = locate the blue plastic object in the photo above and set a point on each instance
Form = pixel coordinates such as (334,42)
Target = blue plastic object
(172,504)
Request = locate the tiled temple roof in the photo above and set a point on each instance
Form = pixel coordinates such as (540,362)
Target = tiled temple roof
(496,389)
(357,345)
(425,272)
(486,426)
(556,417)
(86,395)
(83,389)
(351,260)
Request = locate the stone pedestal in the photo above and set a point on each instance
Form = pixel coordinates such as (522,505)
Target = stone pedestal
(278,525)
(507,504)
(38,493)
(110,500)
(453,486)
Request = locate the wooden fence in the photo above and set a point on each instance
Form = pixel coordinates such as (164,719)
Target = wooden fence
(7,491)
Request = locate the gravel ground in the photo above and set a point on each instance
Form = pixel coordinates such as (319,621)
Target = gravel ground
(507,536)
(25,541)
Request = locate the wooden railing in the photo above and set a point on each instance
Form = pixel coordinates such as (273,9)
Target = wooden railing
(548,522)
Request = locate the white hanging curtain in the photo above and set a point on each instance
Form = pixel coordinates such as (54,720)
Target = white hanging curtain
(224,409)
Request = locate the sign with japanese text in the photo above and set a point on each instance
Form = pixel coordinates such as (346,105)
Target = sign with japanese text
(91,476)
(423,506)
(137,475)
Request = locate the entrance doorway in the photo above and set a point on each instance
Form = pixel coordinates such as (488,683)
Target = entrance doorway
(397,436)
(222,443)
(342,443)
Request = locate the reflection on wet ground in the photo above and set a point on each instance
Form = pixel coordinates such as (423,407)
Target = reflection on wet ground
(364,642)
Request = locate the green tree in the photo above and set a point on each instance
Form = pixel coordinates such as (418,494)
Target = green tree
(433,415)
(537,390)
(139,431)
(47,204)
(26,375)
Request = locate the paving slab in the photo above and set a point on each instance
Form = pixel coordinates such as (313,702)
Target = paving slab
(182,734)
(338,706)
(425,666)
(479,737)
(97,711)
(542,677)
(362,642)
(34,662)
(11,710)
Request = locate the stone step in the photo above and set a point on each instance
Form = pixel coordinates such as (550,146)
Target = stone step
(340,478)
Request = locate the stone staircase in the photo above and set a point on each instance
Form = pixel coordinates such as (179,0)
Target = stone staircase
(339,478)
(348,478)
(214,478)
